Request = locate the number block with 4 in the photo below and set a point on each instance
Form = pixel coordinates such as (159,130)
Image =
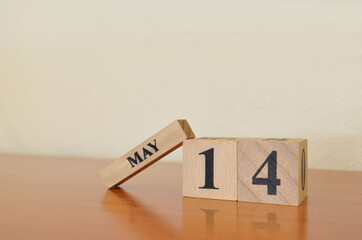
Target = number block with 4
(272,170)
(246,169)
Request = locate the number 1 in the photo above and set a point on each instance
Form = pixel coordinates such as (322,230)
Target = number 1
(209,169)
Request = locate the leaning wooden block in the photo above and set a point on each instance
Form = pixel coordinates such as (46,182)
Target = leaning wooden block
(210,168)
(272,170)
(148,152)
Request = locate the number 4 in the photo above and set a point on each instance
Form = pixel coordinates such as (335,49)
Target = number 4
(272,181)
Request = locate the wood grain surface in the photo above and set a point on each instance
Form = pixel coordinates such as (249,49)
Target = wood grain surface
(64,198)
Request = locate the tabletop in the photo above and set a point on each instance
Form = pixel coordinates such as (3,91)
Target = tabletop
(64,198)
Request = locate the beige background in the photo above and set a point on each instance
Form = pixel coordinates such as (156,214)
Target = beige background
(95,78)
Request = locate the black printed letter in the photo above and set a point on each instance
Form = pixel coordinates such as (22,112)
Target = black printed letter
(134,160)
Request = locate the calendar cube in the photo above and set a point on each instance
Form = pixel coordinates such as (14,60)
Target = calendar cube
(210,168)
(272,170)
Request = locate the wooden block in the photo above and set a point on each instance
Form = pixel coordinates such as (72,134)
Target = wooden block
(210,168)
(148,152)
(272,170)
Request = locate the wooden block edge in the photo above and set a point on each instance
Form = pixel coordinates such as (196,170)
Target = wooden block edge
(303,145)
(186,128)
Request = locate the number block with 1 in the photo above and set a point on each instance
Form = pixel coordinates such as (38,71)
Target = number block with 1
(210,168)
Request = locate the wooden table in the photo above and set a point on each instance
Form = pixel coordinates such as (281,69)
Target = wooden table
(64,198)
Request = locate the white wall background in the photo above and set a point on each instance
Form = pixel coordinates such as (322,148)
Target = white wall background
(94,78)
